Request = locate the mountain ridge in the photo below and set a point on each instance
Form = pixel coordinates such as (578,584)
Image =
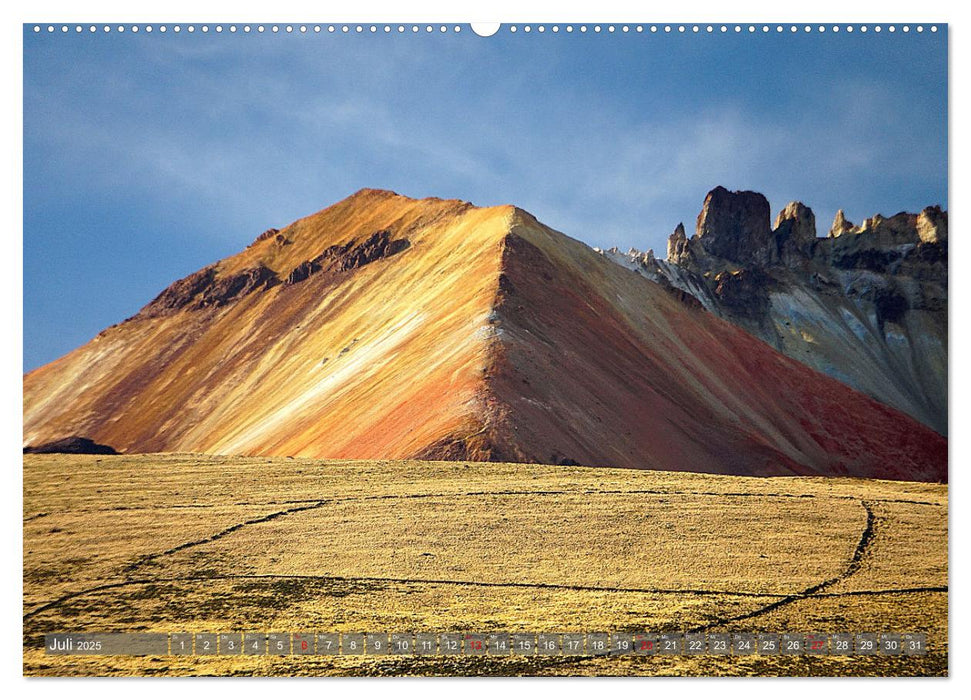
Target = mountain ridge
(866,304)
(485,335)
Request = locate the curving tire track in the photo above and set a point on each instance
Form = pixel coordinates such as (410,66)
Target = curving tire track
(148,558)
(782,599)
(856,560)
(314,504)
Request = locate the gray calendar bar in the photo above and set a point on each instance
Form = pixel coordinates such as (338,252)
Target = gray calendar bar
(598,644)
(350,643)
(621,643)
(256,643)
(719,644)
(278,643)
(745,644)
(817,644)
(330,644)
(524,644)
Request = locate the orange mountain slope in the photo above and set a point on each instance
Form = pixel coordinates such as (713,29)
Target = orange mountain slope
(385,327)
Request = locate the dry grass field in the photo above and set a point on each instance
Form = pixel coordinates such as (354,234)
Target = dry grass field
(178,542)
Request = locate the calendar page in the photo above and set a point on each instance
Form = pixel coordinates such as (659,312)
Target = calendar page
(515,349)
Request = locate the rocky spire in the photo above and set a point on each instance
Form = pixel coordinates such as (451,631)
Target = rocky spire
(840,225)
(678,245)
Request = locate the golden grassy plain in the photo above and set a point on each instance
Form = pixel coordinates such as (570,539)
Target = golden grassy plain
(179,542)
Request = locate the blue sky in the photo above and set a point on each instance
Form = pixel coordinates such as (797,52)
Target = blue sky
(148,156)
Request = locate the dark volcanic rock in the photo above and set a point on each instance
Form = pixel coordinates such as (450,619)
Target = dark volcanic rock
(273,233)
(735,226)
(226,289)
(891,305)
(269,233)
(74,445)
(743,291)
(866,258)
(323,261)
(302,271)
(930,254)
(208,289)
(180,293)
(378,245)
(341,258)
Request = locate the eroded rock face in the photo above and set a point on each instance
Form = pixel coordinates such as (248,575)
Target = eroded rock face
(351,255)
(269,233)
(867,304)
(735,226)
(378,245)
(684,297)
(181,293)
(678,245)
(744,292)
(795,233)
(207,288)
(932,225)
(231,287)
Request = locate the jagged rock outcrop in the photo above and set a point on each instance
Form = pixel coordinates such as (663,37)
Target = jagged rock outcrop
(866,305)
(678,245)
(932,225)
(207,288)
(269,233)
(735,226)
(378,245)
(840,225)
(795,233)
(490,336)
(351,255)
(181,293)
